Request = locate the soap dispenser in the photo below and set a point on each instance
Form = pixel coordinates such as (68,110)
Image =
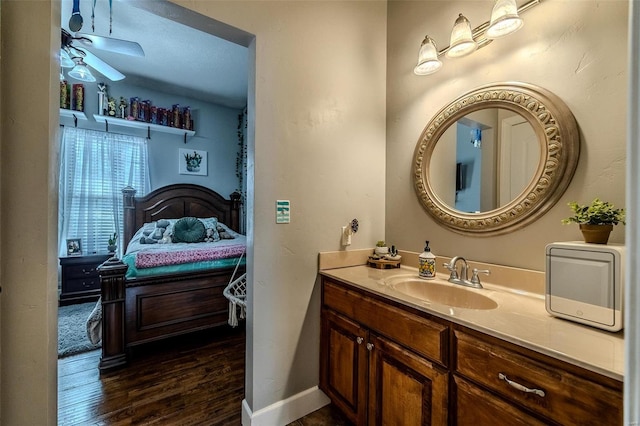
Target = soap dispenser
(427,263)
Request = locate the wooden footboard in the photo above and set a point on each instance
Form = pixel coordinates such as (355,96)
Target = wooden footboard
(176,306)
(142,311)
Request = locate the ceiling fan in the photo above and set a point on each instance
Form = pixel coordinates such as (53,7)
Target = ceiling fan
(73,53)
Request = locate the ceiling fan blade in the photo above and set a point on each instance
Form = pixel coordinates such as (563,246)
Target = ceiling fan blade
(125,47)
(102,67)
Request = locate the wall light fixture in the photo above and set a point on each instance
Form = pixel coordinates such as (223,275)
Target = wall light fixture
(505,19)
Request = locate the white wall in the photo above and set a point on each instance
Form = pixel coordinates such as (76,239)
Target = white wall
(216,129)
(576,49)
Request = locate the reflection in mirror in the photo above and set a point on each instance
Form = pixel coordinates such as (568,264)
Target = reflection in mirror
(496,154)
(496,158)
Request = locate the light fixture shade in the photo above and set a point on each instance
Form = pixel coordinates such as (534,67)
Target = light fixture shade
(428,61)
(81,72)
(65,60)
(462,42)
(504,19)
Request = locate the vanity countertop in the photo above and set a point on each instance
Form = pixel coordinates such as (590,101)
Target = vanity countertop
(520,318)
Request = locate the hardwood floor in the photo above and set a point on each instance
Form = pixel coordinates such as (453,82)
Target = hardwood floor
(186,381)
(195,380)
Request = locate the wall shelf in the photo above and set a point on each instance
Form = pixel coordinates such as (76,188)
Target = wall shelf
(79,115)
(142,125)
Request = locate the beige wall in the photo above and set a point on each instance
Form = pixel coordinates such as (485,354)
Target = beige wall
(576,49)
(318,109)
(29,212)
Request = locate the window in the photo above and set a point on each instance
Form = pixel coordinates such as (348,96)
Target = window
(94,167)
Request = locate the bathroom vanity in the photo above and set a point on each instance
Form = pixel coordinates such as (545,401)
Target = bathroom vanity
(391,358)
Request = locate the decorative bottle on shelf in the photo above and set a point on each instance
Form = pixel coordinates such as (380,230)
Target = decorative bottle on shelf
(427,264)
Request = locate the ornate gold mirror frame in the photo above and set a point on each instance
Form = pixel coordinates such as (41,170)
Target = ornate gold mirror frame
(559,139)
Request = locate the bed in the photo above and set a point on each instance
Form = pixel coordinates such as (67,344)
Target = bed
(139,306)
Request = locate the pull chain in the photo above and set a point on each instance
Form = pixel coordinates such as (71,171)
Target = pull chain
(93,17)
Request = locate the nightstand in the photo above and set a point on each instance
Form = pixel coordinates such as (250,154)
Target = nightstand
(80,280)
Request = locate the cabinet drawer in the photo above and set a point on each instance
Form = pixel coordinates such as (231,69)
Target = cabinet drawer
(81,271)
(81,285)
(425,337)
(490,363)
(477,407)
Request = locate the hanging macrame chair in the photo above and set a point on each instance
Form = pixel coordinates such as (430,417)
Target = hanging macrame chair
(236,292)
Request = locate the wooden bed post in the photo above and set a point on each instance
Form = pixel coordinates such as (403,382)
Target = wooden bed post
(112,284)
(235,210)
(128,195)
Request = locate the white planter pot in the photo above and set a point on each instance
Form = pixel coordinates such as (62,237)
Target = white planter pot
(381,250)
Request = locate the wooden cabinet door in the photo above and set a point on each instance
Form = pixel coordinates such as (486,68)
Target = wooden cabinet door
(344,365)
(404,388)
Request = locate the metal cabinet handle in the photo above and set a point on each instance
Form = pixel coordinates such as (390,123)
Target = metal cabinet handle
(520,387)
(359,340)
(369,346)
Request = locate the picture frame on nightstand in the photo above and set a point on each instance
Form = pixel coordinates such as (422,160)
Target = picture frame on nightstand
(74,247)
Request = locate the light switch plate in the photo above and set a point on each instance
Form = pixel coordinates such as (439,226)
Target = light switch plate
(283,211)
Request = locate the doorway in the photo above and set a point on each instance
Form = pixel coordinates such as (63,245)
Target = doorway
(213,28)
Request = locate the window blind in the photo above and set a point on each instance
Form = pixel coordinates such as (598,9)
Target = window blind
(94,168)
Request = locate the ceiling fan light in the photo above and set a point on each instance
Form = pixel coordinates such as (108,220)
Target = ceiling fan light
(65,60)
(462,42)
(81,72)
(428,61)
(504,19)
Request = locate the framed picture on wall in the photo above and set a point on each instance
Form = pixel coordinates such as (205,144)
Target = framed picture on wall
(74,247)
(192,162)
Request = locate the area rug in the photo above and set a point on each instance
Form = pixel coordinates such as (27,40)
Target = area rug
(72,329)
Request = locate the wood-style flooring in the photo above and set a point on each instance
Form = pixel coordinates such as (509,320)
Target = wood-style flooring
(194,380)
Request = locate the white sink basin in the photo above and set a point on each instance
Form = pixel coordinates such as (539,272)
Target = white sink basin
(441,293)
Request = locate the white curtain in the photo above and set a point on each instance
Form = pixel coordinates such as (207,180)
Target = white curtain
(94,167)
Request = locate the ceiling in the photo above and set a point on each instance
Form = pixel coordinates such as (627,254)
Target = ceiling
(178,59)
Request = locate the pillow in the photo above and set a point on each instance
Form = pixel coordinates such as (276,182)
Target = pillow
(211,223)
(211,236)
(156,232)
(162,223)
(188,230)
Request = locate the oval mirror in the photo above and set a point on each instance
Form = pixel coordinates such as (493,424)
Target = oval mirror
(496,158)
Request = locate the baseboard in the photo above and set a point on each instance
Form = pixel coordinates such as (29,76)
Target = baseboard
(285,411)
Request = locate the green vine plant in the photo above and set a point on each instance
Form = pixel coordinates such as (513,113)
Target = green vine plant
(241,156)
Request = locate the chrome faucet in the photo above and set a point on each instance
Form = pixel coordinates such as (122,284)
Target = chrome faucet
(463,277)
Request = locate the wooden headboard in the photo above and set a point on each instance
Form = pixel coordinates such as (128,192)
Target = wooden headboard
(174,202)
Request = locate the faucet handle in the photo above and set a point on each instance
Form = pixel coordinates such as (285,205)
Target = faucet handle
(475,279)
(450,267)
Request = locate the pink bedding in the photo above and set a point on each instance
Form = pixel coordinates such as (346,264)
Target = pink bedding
(150,259)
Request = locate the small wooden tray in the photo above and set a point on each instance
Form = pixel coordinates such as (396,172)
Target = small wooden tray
(383,263)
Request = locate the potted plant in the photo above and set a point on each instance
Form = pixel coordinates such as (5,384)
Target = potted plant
(111,243)
(381,249)
(596,220)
